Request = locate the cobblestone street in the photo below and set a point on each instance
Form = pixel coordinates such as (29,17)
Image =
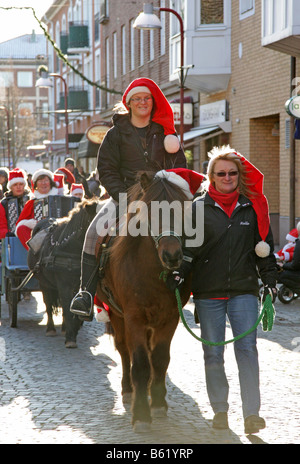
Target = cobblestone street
(52,395)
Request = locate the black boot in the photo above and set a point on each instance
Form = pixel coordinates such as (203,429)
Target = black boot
(83,303)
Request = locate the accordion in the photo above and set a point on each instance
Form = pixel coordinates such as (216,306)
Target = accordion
(55,206)
(14,208)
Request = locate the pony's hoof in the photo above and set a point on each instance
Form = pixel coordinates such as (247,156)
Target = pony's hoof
(51,333)
(141,427)
(70,344)
(158,412)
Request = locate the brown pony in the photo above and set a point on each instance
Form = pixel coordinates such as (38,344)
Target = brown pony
(144,315)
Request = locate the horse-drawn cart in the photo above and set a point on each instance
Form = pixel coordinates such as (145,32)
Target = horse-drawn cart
(15,275)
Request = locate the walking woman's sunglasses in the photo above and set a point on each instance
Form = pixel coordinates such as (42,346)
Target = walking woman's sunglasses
(224,174)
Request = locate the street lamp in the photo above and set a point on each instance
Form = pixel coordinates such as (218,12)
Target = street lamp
(45,82)
(148,20)
(2,107)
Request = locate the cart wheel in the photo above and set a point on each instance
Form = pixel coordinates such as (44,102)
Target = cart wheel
(285,295)
(12,298)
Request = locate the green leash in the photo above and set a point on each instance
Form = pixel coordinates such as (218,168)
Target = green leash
(266,317)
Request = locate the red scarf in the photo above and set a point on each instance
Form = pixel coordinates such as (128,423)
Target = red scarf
(227,201)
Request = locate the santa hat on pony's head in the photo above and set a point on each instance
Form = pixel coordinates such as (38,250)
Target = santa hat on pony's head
(163,113)
(254,182)
(189,181)
(15,176)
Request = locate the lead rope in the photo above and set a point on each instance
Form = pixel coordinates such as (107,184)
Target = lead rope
(266,317)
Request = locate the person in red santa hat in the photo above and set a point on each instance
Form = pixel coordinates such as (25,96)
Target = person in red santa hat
(287,252)
(143,138)
(77,191)
(69,178)
(13,202)
(43,186)
(237,249)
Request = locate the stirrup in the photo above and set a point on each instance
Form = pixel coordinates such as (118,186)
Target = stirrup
(81,312)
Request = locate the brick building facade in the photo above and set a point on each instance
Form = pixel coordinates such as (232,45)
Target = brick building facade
(228,64)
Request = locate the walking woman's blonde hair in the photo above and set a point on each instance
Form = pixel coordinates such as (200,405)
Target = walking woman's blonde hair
(228,154)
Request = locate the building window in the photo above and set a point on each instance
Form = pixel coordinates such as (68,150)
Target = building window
(132,46)
(107,77)
(212,12)
(115,55)
(177,5)
(123,50)
(247,8)
(6,78)
(141,47)
(24,79)
(151,45)
(97,26)
(163,29)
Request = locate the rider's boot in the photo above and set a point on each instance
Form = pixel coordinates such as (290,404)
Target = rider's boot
(83,303)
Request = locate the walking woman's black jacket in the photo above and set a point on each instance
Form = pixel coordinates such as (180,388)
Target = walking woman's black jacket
(226,264)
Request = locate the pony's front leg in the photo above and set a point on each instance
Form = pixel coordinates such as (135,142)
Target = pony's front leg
(121,346)
(140,375)
(160,358)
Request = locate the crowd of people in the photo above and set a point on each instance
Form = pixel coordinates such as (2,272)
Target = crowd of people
(19,190)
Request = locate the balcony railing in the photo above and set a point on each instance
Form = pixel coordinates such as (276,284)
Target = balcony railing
(77,99)
(78,40)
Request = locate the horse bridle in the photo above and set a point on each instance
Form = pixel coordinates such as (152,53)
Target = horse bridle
(166,233)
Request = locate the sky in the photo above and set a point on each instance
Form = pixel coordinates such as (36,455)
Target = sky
(14,23)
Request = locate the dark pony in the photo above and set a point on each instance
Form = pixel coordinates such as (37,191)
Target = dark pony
(143,311)
(57,265)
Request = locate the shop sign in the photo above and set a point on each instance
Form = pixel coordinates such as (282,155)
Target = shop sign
(97,131)
(187,113)
(213,113)
(292,106)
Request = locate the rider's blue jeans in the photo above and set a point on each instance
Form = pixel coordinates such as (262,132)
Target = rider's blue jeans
(242,312)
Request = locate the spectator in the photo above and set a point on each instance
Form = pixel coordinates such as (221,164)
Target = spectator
(13,202)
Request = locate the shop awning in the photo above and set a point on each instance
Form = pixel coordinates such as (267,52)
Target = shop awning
(198,132)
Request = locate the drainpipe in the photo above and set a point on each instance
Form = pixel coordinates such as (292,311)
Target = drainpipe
(292,152)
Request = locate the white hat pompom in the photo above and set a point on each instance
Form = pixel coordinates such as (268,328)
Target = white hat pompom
(171,143)
(262,249)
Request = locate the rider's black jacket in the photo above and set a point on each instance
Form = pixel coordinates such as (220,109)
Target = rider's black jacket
(124,152)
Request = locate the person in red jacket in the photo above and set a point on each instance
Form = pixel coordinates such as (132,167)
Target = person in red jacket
(43,186)
(13,202)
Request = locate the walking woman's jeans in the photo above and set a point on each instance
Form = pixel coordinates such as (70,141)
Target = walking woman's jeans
(242,312)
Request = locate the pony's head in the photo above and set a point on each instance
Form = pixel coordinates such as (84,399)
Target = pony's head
(155,211)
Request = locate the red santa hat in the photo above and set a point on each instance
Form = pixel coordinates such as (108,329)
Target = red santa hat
(76,188)
(69,178)
(162,114)
(189,181)
(292,235)
(254,181)
(41,172)
(59,180)
(15,176)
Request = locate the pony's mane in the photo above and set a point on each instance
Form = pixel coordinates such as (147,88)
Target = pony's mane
(159,189)
(73,221)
